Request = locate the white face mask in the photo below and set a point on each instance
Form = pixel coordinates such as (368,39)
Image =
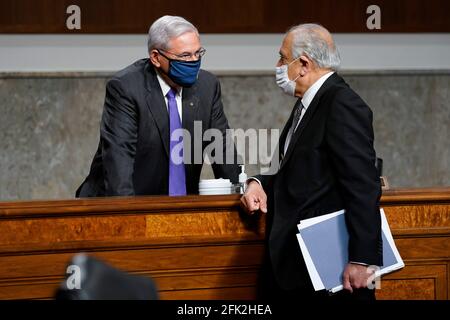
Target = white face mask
(283,81)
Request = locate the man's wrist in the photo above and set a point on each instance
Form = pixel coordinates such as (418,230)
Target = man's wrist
(249,180)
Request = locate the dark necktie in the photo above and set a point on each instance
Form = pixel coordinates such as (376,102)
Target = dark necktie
(297,114)
(177,174)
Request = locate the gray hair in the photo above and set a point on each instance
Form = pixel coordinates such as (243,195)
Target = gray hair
(166,28)
(308,39)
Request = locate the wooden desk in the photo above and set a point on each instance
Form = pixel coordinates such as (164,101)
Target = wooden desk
(198,247)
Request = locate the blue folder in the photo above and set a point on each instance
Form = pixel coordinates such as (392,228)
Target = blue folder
(324,245)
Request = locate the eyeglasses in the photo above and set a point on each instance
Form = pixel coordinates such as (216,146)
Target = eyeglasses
(186,56)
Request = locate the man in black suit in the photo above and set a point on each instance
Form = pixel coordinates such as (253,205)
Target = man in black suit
(146,106)
(327,164)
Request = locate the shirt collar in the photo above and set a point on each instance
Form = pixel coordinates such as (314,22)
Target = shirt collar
(165,87)
(312,91)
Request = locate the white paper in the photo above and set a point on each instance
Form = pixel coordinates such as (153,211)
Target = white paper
(312,270)
(311,221)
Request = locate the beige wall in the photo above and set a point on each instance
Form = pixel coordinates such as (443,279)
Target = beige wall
(50,125)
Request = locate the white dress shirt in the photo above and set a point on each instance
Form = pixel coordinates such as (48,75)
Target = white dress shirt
(306,101)
(165,89)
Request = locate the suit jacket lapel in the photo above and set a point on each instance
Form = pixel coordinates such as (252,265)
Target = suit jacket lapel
(157,106)
(308,115)
(189,111)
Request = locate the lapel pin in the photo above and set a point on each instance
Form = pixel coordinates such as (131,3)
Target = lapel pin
(191,104)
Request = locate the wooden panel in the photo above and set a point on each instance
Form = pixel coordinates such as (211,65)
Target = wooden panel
(30,289)
(157,260)
(430,247)
(119,227)
(238,293)
(198,247)
(169,283)
(222,16)
(408,289)
(206,278)
(423,216)
(415,282)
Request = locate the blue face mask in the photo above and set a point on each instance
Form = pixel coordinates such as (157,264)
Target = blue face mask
(183,73)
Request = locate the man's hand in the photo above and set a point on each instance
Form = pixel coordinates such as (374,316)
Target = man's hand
(356,276)
(254,198)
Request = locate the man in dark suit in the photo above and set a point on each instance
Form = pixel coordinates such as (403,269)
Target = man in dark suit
(327,164)
(146,106)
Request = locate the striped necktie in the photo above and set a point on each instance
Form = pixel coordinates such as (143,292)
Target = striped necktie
(295,120)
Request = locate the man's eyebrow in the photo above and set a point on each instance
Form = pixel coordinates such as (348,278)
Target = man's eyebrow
(187,52)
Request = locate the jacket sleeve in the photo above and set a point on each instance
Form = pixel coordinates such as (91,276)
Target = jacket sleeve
(118,133)
(350,140)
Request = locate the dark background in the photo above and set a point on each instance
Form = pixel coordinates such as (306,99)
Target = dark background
(223,16)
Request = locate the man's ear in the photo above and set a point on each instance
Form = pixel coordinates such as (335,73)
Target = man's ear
(154,58)
(306,65)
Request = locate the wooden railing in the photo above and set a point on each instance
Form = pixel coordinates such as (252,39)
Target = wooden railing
(198,247)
